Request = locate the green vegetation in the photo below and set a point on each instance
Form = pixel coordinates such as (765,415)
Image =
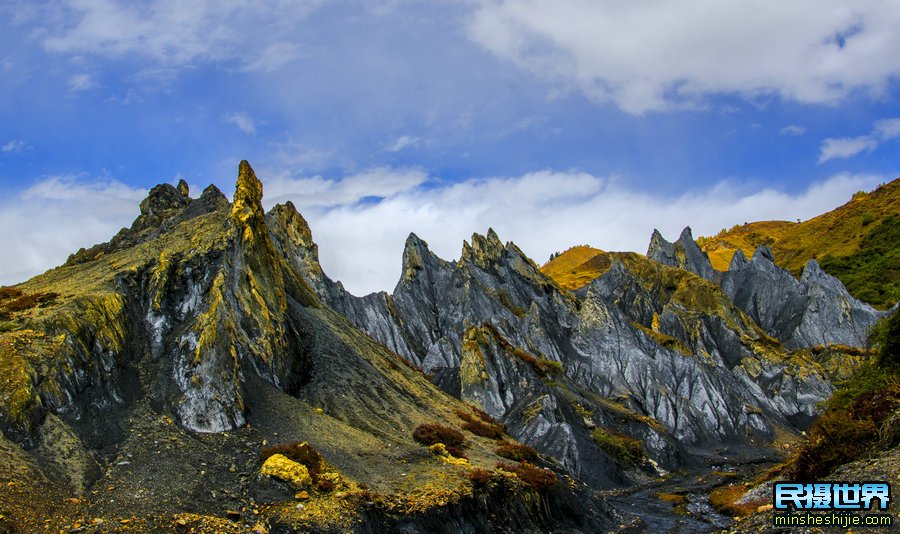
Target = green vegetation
(872,273)
(620,447)
(855,418)
(885,336)
(432,433)
(13,300)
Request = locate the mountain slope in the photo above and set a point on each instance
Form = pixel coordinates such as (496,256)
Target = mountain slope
(145,380)
(666,347)
(857,242)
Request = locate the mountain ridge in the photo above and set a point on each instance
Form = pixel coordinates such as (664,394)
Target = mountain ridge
(209,330)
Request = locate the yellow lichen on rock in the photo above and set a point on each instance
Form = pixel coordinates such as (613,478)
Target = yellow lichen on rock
(280,467)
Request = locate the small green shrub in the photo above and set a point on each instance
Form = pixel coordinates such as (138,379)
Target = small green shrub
(620,447)
(885,335)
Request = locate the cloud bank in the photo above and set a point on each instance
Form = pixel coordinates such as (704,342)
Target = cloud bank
(361,221)
(56,216)
(361,243)
(653,55)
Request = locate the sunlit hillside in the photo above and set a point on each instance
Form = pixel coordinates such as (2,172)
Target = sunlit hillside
(858,242)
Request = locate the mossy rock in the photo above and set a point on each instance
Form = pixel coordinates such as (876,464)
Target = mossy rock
(280,467)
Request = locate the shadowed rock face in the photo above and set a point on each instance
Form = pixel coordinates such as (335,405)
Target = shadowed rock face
(661,344)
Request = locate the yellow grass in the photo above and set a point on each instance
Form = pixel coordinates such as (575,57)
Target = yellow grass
(836,233)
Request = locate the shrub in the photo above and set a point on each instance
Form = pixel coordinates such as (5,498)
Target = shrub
(516,451)
(535,478)
(485,430)
(481,478)
(431,433)
(16,301)
(6,326)
(886,336)
(619,446)
(8,293)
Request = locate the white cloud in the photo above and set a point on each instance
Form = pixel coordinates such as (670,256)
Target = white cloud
(887,129)
(846,147)
(81,82)
(173,33)
(361,243)
(401,142)
(317,192)
(242,121)
(14,146)
(654,55)
(55,217)
(792,130)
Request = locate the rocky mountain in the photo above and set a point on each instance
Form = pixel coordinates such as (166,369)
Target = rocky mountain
(856,242)
(186,375)
(651,352)
(815,310)
(202,371)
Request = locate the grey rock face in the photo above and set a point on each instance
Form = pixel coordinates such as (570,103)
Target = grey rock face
(815,310)
(684,254)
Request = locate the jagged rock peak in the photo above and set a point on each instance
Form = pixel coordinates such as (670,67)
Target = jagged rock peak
(291,220)
(763,251)
(213,193)
(738,260)
(183,188)
(684,254)
(161,199)
(247,208)
(483,250)
(414,252)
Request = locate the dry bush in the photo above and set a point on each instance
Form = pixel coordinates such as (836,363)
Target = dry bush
(516,451)
(535,478)
(431,433)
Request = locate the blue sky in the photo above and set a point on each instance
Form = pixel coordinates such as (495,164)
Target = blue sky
(557,123)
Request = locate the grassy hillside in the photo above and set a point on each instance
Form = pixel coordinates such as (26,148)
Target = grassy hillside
(575,267)
(858,242)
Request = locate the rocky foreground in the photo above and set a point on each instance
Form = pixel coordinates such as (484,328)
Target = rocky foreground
(201,371)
